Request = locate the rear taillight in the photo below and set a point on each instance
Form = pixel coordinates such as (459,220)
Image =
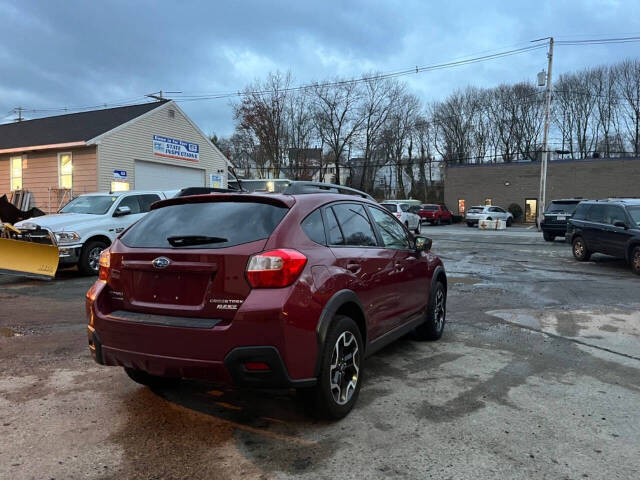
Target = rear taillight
(276,268)
(399,214)
(105,265)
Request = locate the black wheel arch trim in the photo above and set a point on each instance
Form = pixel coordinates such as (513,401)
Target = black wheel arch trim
(438,272)
(329,311)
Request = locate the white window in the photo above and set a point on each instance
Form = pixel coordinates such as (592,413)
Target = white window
(65,170)
(15,165)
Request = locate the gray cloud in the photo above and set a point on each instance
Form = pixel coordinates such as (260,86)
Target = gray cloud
(73,53)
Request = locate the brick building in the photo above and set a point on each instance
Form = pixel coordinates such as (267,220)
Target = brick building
(505,183)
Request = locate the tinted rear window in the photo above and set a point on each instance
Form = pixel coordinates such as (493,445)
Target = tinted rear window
(429,207)
(581,211)
(476,210)
(313,226)
(562,207)
(232,223)
(635,214)
(392,207)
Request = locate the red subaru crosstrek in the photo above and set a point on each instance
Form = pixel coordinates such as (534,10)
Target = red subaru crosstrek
(286,290)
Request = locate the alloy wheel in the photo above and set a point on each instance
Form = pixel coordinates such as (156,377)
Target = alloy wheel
(94,258)
(578,248)
(345,368)
(440,310)
(636,261)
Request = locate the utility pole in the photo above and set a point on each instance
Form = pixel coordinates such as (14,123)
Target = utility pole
(19,112)
(545,142)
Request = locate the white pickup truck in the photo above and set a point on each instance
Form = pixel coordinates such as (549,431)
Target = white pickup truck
(89,223)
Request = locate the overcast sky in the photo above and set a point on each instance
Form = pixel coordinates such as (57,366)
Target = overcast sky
(77,53)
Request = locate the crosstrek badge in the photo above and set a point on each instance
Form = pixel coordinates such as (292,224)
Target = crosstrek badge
(226,303)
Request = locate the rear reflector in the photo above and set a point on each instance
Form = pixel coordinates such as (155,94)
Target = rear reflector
(256,366)
(276,268)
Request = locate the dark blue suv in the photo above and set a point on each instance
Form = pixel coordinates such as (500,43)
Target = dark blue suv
(608,226)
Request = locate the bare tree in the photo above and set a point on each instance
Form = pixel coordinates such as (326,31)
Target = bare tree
(378,98)
(335,115)
(629,87)
(261,111)
(454,119)
(299,132)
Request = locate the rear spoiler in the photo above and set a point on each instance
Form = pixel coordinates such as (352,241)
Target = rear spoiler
(275,200)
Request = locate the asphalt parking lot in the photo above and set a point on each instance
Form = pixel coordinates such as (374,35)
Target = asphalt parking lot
(537,376)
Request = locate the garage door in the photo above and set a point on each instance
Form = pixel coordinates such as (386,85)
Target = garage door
(157,176)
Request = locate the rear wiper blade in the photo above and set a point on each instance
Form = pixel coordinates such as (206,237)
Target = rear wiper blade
(185,240)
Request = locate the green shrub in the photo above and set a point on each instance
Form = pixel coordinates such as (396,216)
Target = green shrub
(516,211)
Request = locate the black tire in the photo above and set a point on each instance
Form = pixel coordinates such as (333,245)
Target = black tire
(634,259)
(450,221)
(580,251)
(320,399)
(509,222)
(435,316)
(548,236)
(469,224)
(144,378)
(438,222)
(88,262)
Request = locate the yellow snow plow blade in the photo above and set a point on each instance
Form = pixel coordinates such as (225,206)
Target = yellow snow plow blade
(26,258)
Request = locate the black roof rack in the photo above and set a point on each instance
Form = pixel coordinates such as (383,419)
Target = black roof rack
(299,187)
(187,191)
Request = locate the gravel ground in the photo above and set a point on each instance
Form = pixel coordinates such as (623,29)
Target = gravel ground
(536,376)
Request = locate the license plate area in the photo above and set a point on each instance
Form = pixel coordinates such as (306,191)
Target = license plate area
(170,288)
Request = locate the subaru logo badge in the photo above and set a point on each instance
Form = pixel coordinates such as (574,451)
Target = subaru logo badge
(161,262)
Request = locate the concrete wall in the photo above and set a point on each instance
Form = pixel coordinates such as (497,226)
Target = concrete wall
(119,149)
(40,174)
(592,178)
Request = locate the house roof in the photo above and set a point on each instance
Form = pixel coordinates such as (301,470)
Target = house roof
(73,127)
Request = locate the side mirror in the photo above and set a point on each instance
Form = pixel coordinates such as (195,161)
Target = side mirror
(619,223)
(423,244)
(122,211)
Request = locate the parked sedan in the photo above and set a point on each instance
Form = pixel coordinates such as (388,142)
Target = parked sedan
(435,214)
(484,212)
(401,211)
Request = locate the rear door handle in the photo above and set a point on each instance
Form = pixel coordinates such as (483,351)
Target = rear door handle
(353,267)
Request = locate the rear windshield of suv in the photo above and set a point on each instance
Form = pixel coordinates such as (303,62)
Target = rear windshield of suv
(429,207)
(562,207)
(205,225)
(476,210)
(392,207)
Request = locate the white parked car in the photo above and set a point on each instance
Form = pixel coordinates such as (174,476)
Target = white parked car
(483,212)
(89,223)
(401,210)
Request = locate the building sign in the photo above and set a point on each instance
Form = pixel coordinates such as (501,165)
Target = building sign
(172,148)
(215,180)
(120,174)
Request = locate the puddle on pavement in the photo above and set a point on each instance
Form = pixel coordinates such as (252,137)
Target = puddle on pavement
(459,281)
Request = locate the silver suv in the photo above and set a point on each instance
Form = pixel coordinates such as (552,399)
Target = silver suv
(484,212)
(401,210)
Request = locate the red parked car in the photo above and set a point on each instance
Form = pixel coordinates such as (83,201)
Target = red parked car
(435,214)
(264,290)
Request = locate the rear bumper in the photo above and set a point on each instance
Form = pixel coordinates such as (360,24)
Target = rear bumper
(232,369)
(560,229)
(472,221)
(260,333)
